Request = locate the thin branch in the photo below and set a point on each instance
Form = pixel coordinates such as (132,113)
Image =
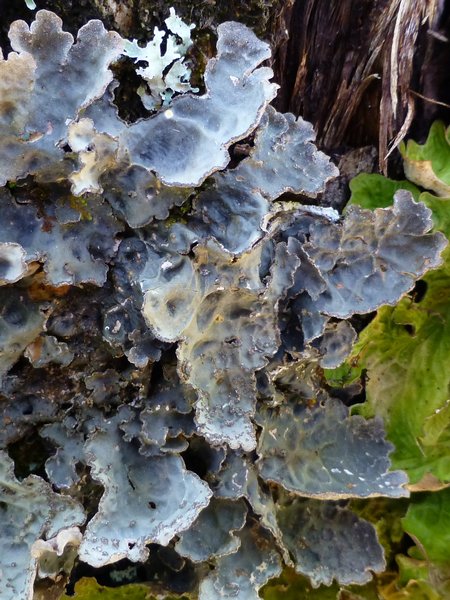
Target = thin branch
(438,102)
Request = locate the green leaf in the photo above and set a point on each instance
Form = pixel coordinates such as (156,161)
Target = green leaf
(343,375)
(292,586)
(425,573)
(440,207)
(414,590)
(370,190)
(428,522)
(406,351)
(89,589)
(411,568)
(428,165)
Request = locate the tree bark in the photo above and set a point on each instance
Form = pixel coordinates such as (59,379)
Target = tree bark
(352,67)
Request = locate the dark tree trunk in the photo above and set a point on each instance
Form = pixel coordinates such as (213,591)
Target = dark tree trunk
(354,67)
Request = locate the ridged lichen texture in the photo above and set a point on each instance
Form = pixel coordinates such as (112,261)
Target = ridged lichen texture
(171,291)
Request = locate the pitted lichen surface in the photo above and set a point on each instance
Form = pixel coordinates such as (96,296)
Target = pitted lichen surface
(166,316)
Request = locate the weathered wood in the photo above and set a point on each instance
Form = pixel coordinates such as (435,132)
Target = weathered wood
(348,67)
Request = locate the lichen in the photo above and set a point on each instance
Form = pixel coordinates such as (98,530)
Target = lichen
(166,318)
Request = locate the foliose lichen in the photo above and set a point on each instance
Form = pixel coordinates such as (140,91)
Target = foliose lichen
(174,360)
